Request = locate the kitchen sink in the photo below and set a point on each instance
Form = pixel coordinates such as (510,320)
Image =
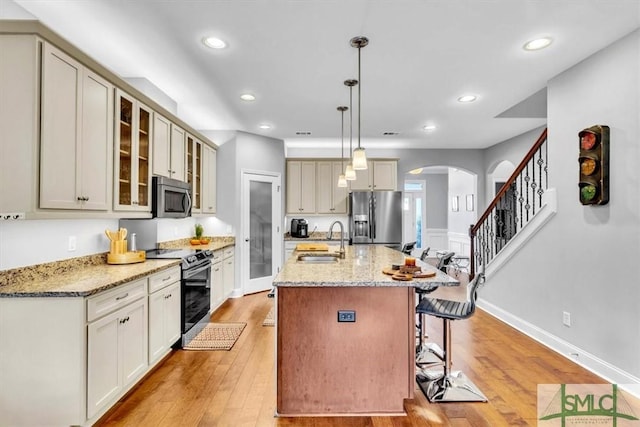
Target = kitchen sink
(318,258)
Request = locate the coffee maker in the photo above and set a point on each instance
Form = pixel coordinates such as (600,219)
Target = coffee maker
(299,228)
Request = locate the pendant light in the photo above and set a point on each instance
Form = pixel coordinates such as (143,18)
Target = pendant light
(359,156)
(342,180)
(350,173)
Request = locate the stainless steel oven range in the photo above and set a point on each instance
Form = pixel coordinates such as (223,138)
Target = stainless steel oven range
(195,287)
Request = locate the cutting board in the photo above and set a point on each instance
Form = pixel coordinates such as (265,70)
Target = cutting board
(312,247)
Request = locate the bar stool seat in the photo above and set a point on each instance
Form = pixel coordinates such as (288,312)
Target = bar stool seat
(450,386)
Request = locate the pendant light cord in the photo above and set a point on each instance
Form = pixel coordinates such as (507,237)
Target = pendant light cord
(359,90)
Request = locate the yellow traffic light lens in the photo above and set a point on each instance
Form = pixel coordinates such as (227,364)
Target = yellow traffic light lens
(588,166)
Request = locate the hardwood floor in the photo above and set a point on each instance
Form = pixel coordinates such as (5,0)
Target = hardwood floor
(237,387)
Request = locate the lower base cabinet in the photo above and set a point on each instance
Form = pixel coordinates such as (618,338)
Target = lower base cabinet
(164,313)
(72,358)
(217,287)
(116,354)
(229,271)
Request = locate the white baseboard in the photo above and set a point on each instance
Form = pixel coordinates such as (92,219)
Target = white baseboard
(577,355)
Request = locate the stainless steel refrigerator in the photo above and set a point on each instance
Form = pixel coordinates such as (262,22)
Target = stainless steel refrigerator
(375,217)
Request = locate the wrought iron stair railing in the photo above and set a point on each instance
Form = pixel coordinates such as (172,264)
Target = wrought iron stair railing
(512,208)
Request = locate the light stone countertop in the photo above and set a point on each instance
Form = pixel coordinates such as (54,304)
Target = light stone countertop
(362,266)
(85,281)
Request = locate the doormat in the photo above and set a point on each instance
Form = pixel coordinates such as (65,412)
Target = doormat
(270,320)
(216,336)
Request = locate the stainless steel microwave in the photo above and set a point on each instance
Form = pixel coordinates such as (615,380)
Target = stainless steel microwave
(170,198)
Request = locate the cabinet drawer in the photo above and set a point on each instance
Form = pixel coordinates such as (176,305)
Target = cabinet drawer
(217,255)
(109,301)
(229,252)
(163,279)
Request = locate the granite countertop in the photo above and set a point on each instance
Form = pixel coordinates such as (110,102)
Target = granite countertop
(83,281)
(89,275)
(317,235)
(362,266)
(215,244)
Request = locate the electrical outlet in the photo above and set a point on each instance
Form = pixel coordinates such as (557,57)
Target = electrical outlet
(346,316)
(71,244)
(566,318)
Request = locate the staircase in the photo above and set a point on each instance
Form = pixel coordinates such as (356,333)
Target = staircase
(515,207)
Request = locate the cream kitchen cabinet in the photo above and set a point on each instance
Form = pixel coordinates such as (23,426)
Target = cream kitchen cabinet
(168,148)
(209,162)
(19,103)
(164,312)
(380,175)
(76,141)
(217,280)
(330,198)
(116,343)
(132,170)
(229,271)
(194,172)
(301,187)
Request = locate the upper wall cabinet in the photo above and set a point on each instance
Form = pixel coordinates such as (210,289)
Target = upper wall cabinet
(330,198)
(301,187)
(168,149)
(194,172)
(19,107)
(76,135)
(132,170)
(209,161)
(380,175)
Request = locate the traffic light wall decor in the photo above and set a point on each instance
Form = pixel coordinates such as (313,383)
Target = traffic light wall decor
(594,165)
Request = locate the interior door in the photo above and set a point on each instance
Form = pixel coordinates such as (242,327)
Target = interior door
(261,227)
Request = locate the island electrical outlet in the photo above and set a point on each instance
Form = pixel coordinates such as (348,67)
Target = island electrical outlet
(346,315)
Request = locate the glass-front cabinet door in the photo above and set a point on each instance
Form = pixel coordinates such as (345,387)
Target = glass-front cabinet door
(194,172)
(132,154)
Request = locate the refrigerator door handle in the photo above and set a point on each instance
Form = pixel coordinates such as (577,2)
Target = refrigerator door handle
(373,216)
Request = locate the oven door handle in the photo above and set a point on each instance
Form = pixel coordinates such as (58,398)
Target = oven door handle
(193,271)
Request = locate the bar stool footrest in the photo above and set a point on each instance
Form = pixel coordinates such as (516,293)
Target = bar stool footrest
(455,387)
(431,354)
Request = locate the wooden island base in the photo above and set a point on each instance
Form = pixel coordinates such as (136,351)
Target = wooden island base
(326,367)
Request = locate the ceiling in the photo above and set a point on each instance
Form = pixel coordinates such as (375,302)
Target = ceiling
(294,55)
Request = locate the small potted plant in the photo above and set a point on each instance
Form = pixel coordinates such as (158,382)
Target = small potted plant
(198,240)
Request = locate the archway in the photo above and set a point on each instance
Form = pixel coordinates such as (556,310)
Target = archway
(440,203)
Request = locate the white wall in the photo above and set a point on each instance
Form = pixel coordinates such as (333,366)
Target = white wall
(585,260)
(31,242)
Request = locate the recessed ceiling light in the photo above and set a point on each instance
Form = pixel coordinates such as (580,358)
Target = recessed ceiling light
(247,97)
(537,44)
(429,128)
(214,43)
(416,171)
(264,126)
(467,98)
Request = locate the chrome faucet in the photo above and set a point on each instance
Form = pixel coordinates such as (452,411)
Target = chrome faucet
(330,234)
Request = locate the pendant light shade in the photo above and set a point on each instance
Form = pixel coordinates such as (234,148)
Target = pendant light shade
(359,156)
(342,180)
(350,173)
(359,159)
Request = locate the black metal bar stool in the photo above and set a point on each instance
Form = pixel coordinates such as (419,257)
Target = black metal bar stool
(429,355)
(450,386)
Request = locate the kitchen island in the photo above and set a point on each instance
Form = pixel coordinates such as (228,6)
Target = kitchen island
(345,334)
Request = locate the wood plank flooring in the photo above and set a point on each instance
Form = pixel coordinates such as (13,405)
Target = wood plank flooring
(237,387)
